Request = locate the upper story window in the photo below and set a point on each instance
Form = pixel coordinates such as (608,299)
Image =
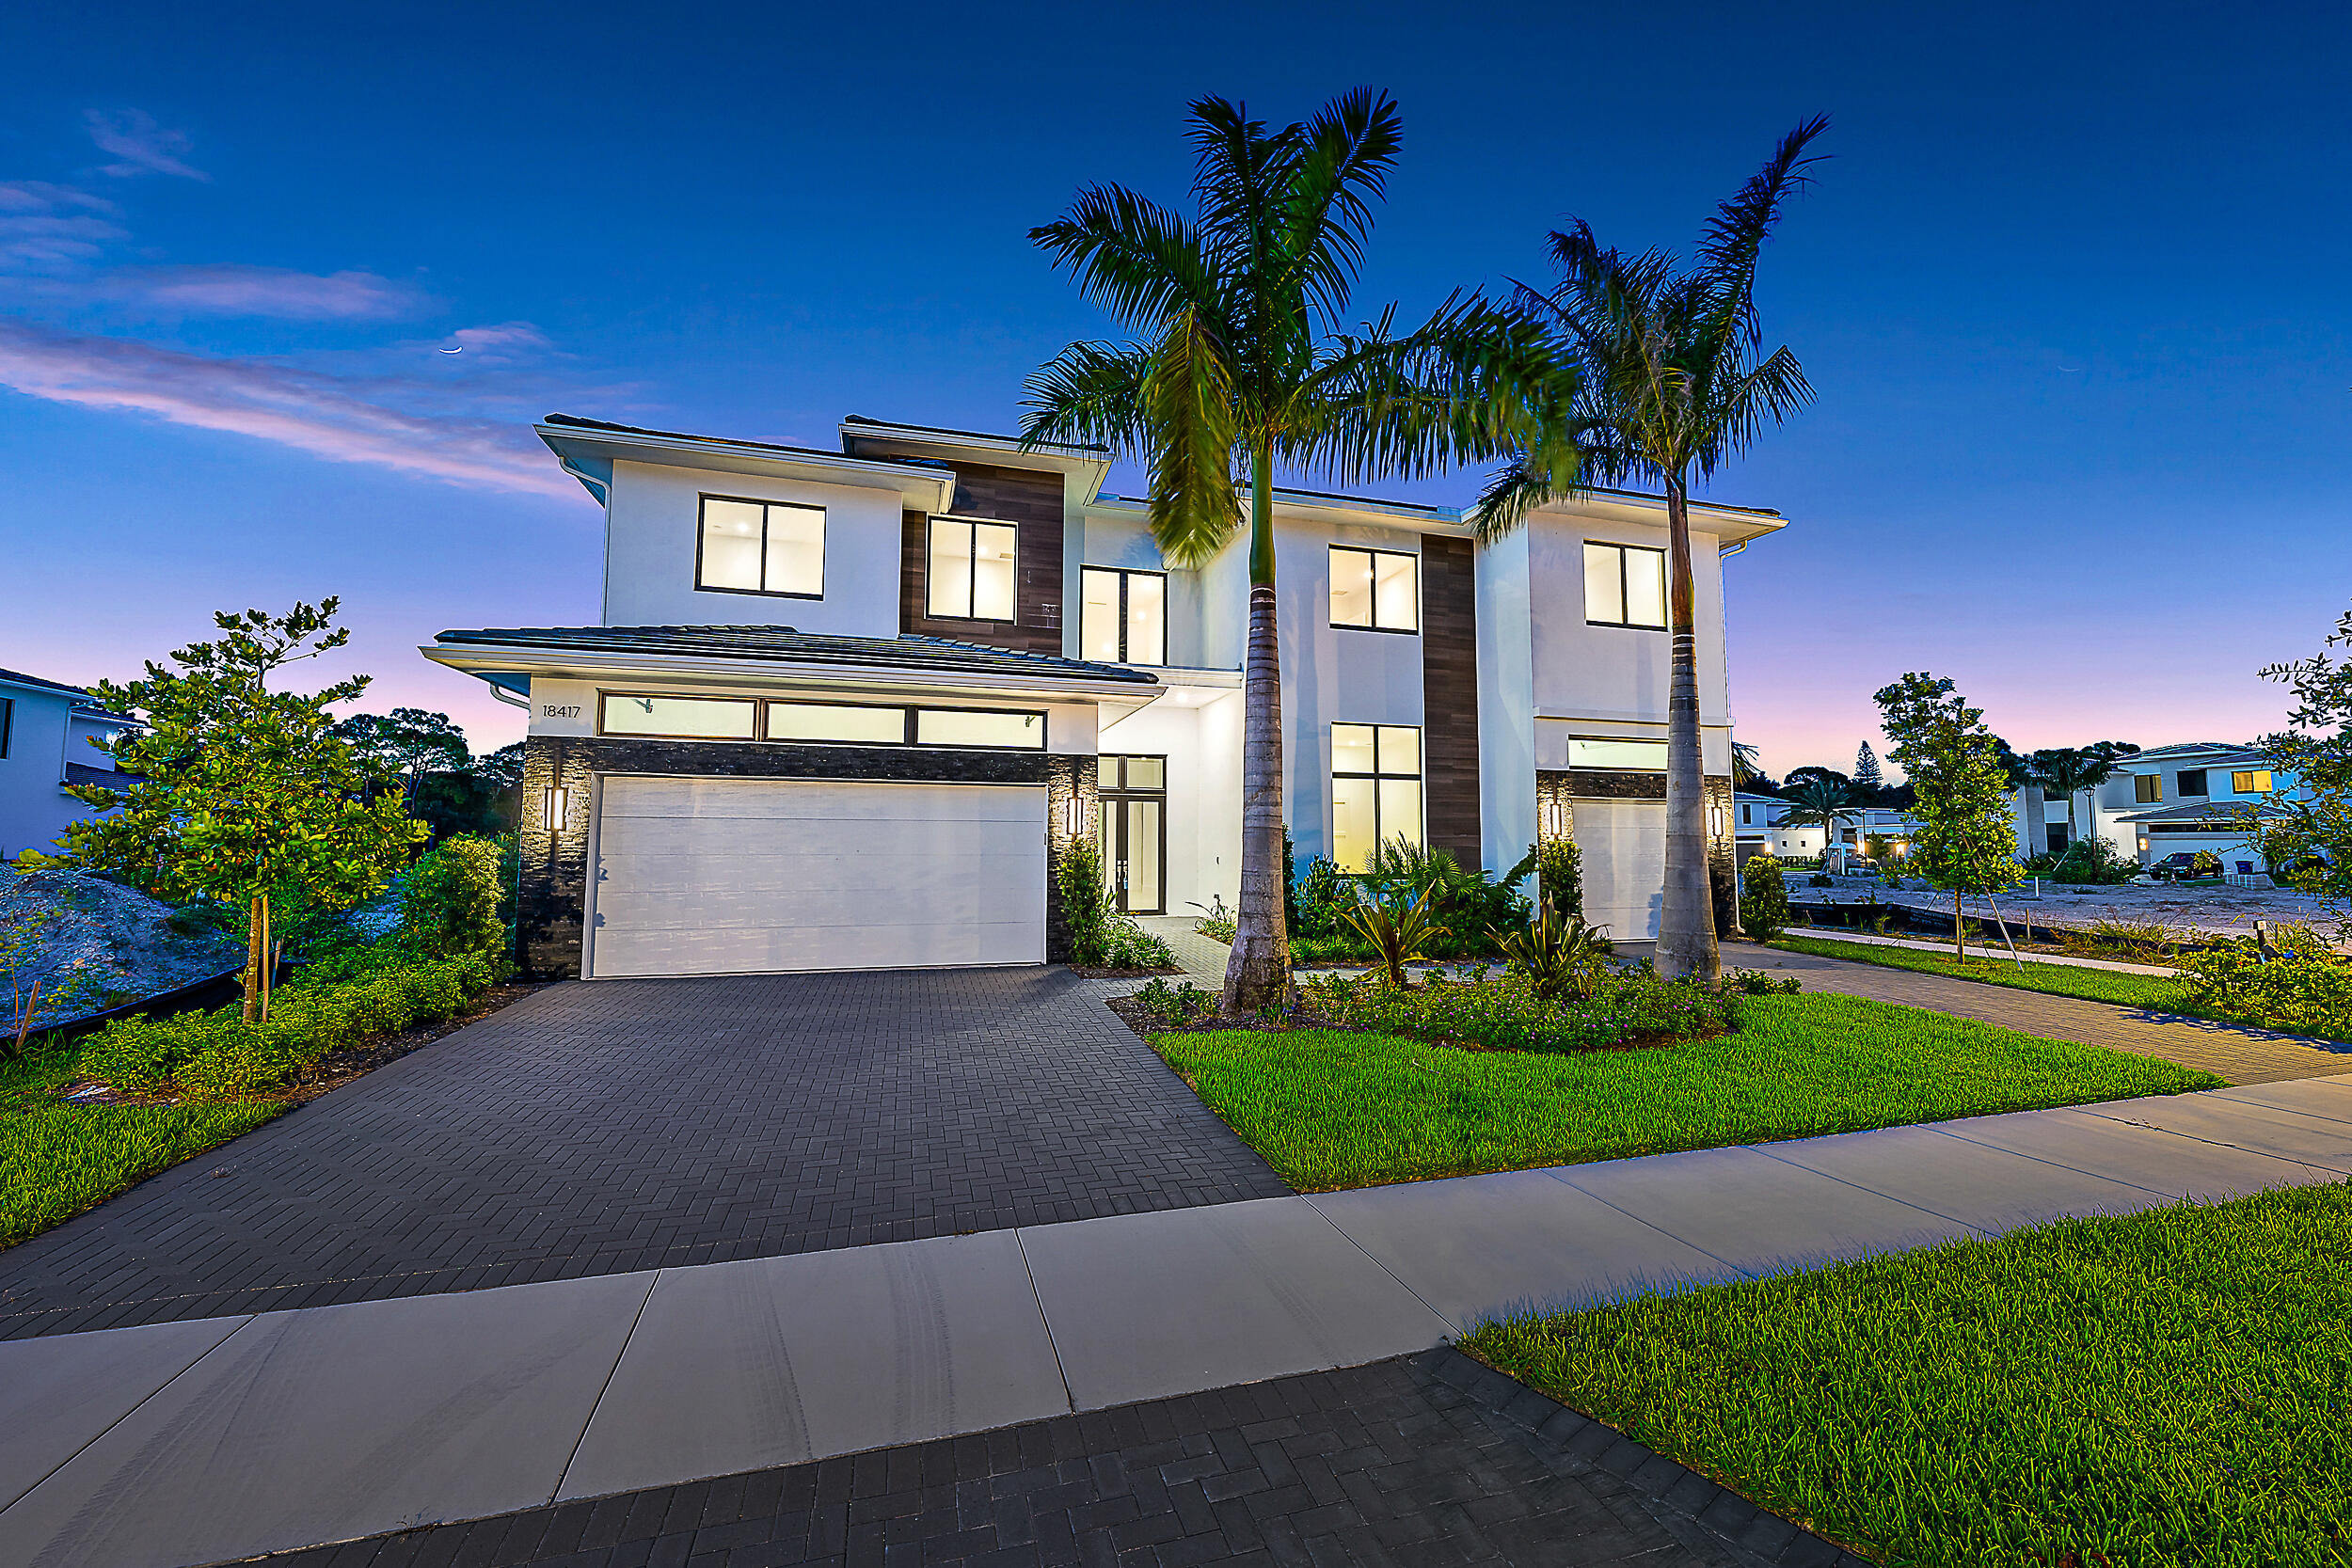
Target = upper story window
(1122,616)
(2256,782)
(1376,790)
(2192,782)
(970,573)
(1374,590)
(8,722)
(1625,585)
(750,546)
(2147,787)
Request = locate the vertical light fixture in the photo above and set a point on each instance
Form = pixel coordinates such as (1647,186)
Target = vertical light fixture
(1073,815)
(552,808)
(1714,821)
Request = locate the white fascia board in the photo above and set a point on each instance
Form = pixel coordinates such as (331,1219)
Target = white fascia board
(1087,465)
(1291,506)
(1732,525)
(487,659)
(923,489)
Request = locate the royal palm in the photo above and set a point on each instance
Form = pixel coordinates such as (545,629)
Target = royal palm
(1240,361)
(1675,383)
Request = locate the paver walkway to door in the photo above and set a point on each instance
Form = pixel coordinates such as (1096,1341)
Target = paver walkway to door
(609,1126)
(2240,1054)
(186,1443)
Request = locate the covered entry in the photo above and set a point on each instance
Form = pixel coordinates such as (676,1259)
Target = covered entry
(728,876)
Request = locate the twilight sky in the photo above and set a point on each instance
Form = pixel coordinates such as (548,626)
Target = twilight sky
(2071,290)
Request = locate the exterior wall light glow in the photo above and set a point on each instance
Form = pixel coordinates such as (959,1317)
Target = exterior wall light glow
(551,809)
(1551,819)
(1072,816)
(1715,822)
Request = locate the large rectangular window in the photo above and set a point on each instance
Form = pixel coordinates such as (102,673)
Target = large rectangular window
(1374,590)
(750,546)
(1376,790)
(690,717)
(2257,782)
(1122,616)
(2147,788)
(843,723)
(959,726)
(1625,585)
(970,574)
(1618,756)
(2191,782)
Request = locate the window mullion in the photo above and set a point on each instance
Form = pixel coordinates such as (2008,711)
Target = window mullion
(1122,617)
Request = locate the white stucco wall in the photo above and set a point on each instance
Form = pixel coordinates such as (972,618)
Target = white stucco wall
(651,526)
(34,807)
(1614,672)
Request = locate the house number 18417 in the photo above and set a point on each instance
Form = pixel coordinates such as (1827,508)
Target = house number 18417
(551,710)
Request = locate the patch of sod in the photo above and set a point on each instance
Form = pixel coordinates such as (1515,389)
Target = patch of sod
(2173,1388)
(2153,991)
(1329,1109)
(57,1160)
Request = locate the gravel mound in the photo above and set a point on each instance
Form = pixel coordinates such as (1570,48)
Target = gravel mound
(129,943)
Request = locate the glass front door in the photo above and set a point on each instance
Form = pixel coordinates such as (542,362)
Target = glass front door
(1135,833)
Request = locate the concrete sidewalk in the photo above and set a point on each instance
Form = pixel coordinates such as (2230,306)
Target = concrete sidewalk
(187,1443)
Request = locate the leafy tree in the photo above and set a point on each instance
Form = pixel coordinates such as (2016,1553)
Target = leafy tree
(2069,772)
(409,743)
(1965,837)
(1764,901)
(1866,770)
(1820,800)
(1812,774)
(1239,364)
(502,768)
(1675,383)
(2306,832)
(242,794)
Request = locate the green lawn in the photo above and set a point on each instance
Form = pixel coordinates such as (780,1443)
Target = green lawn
(57,1160)
(2153,991)
(1329,1109)
(2173,1387)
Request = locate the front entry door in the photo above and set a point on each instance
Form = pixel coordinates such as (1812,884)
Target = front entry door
(1135,833)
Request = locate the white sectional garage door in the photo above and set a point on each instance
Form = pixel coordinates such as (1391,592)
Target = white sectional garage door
(754,876)
(1624,845)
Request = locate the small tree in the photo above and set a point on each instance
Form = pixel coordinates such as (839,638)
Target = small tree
(1817,801)
(1560,876)
(2305,832)
(1764,898)
(241,794)
(1965,841)
(1866,770)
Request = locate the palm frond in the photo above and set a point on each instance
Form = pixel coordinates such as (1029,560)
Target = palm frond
(1726,271)
(1347,150)
(1738,409)
(1090,392)
(1131,256)
(1188,407)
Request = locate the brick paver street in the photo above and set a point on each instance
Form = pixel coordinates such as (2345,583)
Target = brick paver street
(596,1128)
(1425,1461)
(2239,1055)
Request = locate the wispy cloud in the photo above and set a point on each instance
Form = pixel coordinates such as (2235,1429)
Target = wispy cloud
(383,422)
(45,227)
(280,294)
(140,145)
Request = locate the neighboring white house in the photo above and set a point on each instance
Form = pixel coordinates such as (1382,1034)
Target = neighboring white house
(2191,797)
(45,734)
(1763,825)
(847,709)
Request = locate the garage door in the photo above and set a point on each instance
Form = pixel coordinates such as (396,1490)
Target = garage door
(752,876)
(1624,846)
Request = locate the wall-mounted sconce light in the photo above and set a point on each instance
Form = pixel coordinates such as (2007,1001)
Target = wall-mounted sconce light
(1551,819)
(1714,821)
(1074,815)
(552,808)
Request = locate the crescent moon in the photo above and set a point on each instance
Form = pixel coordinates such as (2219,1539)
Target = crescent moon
(459,349)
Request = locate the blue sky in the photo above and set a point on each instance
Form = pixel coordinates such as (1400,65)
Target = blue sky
(2071,290)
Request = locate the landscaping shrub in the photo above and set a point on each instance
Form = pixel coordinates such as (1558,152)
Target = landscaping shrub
(1764,898)
(1508,1014)
(1396,925)
(454,898)
(1321,900)
(1100,937)
(1343,946)
(1560,876)
(1557,957)
(1468,903)
(1820,879)
(1179,1004)
(2095,863)
(2303,987)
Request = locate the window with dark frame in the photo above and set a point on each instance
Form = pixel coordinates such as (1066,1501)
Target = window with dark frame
(971,570)
(1122,615)
(2147,788)
(2191,782)
(639,716)
(1625,585)
(1374,590)
(2253,781)
(753,547)
(1376,790)
(8,722)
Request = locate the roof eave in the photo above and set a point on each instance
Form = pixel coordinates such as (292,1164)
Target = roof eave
(486,659)
(922,488)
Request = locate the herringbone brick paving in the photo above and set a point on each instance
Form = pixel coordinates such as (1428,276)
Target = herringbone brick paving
(1416,1463)
(604,1127)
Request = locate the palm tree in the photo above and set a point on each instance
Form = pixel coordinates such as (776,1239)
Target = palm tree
(1239,364)
(1819,801)
(1675,382)
(2064,771)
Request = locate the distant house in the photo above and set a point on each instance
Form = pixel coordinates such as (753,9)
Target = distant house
(45,733)
(2193,796)
(1760,824)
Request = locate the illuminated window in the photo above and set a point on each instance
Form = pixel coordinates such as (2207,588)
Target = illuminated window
(1625,585)
(1122,616)
(691,718)
(971,576)
(2147,787)
(959,726)
(1375,590)
(761,548)
(2254,782)
(847,723)
(1618,756)
(1376,790)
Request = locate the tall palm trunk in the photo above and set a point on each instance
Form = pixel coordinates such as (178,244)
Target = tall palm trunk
(1259,971)
(1686,919)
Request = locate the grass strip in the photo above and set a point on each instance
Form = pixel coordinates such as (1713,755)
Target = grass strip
(1329,1109)
(2173,1388)
(2158,993)
(56,1160)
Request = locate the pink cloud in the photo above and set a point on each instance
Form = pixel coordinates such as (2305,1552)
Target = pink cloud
(141,144)
(278,293)
(343,421)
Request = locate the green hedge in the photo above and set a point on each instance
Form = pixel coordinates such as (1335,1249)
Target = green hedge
(217,1055)
(1506,1014)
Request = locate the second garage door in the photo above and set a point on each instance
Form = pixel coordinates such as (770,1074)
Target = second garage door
(755,876)
(1624,846)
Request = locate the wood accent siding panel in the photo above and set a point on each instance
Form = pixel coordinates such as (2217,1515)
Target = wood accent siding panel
(1032,501)
(1449,695)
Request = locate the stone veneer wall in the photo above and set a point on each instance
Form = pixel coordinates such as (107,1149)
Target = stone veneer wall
(1558,790)
(555,879)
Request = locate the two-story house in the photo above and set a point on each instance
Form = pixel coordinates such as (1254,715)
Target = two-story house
(46,730)
(848,708)
(2194,796)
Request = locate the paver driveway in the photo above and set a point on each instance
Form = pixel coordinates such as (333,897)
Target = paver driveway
(616,1125)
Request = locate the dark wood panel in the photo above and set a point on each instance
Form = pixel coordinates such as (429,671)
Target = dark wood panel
(1033,503)
(1449,694)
